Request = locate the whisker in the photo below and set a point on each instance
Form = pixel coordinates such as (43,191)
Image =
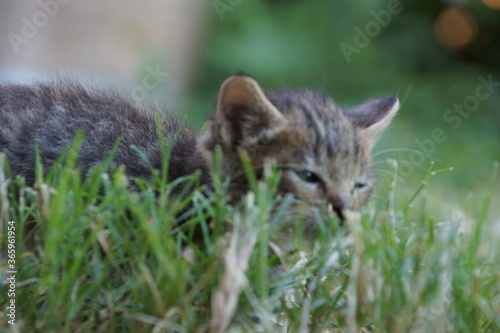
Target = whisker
(429,157)
(402,162)
(390,150)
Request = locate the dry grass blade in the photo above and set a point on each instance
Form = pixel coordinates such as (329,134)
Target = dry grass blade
(354,296)
(236,258)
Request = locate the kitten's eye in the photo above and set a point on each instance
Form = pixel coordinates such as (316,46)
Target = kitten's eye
(359,185)
(308,176)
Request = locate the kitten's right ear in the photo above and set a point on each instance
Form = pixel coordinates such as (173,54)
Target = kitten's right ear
(373,116)
(244,114)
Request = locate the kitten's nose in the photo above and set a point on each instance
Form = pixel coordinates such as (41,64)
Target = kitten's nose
(339,203)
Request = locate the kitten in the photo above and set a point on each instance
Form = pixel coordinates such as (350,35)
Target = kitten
(325,150)
(329,148)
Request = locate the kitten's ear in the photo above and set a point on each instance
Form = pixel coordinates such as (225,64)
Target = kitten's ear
(373,116)
(244,114)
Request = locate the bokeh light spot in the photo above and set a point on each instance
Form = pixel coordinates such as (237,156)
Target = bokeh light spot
(455,27)
(495,4)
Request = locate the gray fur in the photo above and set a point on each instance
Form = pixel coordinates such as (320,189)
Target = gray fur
(51,115)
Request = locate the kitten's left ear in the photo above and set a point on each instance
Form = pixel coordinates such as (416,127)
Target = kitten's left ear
(373,116)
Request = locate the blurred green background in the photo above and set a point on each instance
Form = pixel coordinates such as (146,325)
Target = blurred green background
(430,53)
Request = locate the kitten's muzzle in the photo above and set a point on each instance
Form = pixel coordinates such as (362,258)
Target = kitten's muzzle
(338,204)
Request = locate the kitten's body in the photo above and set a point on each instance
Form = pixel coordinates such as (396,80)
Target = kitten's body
(51,115)
(326,150)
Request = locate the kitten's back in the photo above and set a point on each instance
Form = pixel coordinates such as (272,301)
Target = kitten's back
(52,114)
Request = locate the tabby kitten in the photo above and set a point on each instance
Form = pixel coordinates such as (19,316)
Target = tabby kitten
(325,150)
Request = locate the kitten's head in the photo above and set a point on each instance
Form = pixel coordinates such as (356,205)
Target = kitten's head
(324,150)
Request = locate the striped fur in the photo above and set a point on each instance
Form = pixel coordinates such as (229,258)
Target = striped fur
(304,131)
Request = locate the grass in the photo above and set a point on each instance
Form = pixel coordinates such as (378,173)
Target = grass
(103,258)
